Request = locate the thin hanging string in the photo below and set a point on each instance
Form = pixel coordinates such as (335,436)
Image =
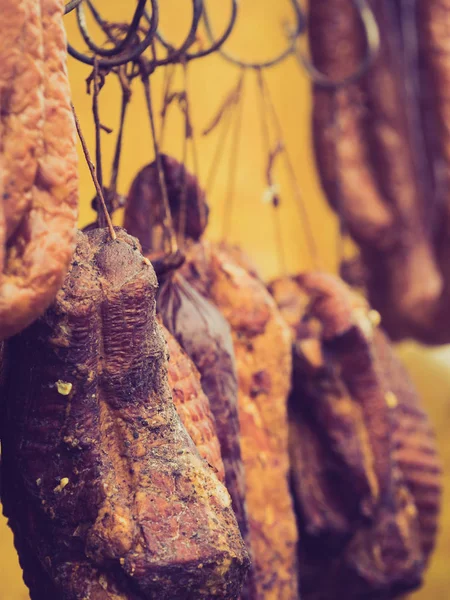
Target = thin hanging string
(306,222)
(192,135)
(126,95)
(167,222)
(183,171)
(234,155)
(271,156)
(97,185)
(224,116)
(101,222)
(169,73)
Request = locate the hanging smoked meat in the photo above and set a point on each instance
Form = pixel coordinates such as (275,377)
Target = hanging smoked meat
(38,161)
(262,347)
(192,404)
(351,397)
(415,448)
(105,492)
(196,323)
(371,164)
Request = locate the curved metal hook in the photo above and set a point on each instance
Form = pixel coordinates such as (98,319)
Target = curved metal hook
(176,53)
(122,44)
(71,5)
(222,39)
(300,27)
(372,34)
(124,57)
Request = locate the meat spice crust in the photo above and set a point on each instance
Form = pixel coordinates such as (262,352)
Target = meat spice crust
(262,347)
(381,551)
(104,489)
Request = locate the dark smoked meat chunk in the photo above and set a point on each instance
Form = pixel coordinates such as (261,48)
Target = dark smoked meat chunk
(105,492)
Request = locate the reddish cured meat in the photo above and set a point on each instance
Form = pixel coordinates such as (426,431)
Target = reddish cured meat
(40,176)
(103,488)
(196,324)
(262,347)
(415,448)
(193,405)
(368,160)
(385,554)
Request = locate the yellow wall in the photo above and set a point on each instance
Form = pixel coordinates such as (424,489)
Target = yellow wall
(252,224)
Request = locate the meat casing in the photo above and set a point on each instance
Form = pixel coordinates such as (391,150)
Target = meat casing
(402,460)
(368,162)
(106,494)
(40,177)
(262,347)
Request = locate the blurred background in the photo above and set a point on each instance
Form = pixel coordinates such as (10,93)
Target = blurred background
(258,35)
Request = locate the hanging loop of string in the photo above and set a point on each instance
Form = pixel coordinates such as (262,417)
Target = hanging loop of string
(170,234)
(223,116)
(272,154)
(300,202)
(234,157)
(114,201)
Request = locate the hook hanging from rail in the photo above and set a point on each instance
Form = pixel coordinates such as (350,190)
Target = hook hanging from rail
(126,50)
(139,36)
(372,35)
(298,30)
(215,44)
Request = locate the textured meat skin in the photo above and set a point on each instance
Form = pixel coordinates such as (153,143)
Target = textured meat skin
(192,404)
(384,554)
(104,489)
(262,347)
(368,163)
(144,208)
(204,334)
(42,239)
(196,324)
(22,97)
(415,448)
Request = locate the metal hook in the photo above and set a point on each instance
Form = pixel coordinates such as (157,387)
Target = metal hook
(71,5)
(119,57)
(188,56)
(215,45)
(300,27)
(175,54)
(121,45)
(372,34)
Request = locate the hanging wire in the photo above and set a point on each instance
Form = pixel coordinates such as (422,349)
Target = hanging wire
(308,229)
(126,96)
(271,158)
(140,33)
(235,144)
(127,50)
(97,185)
(167,221)
(223,116)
